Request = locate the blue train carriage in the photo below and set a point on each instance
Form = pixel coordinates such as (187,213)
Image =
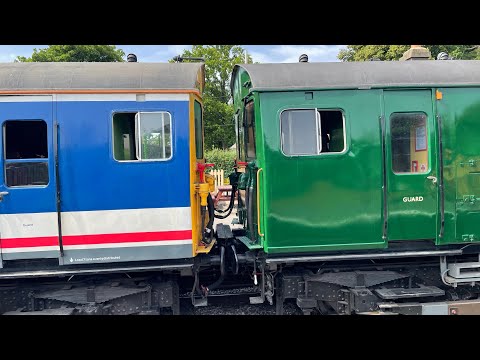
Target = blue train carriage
(99,163)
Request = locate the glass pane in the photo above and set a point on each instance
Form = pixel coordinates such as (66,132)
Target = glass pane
(198,130)
(237,134)
(241,138)
(26,139)
(25,173)
(124,137)
(409,142)
(299,132)
(155,134)
(331,124)
(250,121)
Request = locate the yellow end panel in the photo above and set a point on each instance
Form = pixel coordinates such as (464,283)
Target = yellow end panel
(193,176)
(198,247)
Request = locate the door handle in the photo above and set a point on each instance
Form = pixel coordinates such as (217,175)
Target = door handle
(433,178)
(2,194)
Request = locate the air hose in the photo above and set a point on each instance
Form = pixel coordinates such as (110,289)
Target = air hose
(208,233)
(229,209)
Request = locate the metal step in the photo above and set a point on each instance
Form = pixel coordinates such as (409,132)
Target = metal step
(465,270)
(460,273)
(224,232)
(200,302)
(401,293)
(60,311)
(248,243)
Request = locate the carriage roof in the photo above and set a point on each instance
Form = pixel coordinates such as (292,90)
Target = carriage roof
(101,76)
(360,75)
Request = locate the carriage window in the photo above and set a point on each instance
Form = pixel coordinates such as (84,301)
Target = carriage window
(332,132)
(312,132)
(124,142)
(142,136)
(409,142)
(155,135)
(250,129)
(237,133)
(198,130)
(25,152)
(241,137)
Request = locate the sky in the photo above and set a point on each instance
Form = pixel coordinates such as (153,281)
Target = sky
(162,53)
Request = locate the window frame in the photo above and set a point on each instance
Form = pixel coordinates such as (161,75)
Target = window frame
(247,127)
(138,137)
(427,136)
(319,132)
(201,130)
(33,160)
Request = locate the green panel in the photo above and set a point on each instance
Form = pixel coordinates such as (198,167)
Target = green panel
(460,113)
(412,198)
(326,201)
(468,202)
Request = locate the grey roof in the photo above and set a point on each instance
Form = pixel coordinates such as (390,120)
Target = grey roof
(367,74)
(100,75)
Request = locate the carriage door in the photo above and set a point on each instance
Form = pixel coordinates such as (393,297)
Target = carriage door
(28,214)
(411,173)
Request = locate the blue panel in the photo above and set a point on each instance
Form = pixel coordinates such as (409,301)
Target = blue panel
(28,199)
(91,179)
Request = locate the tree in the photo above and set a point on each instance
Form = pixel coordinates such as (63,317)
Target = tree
(218,114)
(395,52)
(75,53)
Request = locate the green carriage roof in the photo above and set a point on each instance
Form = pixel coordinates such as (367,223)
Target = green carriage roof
(99,75)
(361,75)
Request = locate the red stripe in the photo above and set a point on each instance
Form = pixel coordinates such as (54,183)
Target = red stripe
(29,242)
(129,237)
(97,239)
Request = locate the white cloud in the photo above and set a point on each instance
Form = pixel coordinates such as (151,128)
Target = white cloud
(158,53)
(290,53)
(260,57)
(163,53)
(8,57)
(177,49)
(8,53)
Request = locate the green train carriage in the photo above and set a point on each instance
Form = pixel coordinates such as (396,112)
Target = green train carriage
(371,162)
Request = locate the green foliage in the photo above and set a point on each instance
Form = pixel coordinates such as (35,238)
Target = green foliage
(75,53)
(218,117)
(223,159)
(395,52)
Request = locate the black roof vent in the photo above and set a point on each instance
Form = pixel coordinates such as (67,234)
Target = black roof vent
(443,56)
(131,58)
(303,58)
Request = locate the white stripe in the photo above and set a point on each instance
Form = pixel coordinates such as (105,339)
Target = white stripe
(166,97)
(25,98)
(96,222)
(28,225)
(122,97)
(128,244)
(126,221)
(97,246)
(29,249)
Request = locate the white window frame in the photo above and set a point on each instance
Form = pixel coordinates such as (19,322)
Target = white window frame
(138,137)
(319,132)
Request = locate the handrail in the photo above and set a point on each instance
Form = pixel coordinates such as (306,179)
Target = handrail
(258,202)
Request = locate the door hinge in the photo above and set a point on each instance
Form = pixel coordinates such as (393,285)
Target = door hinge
(469,237)
(471,163)
(469,199)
